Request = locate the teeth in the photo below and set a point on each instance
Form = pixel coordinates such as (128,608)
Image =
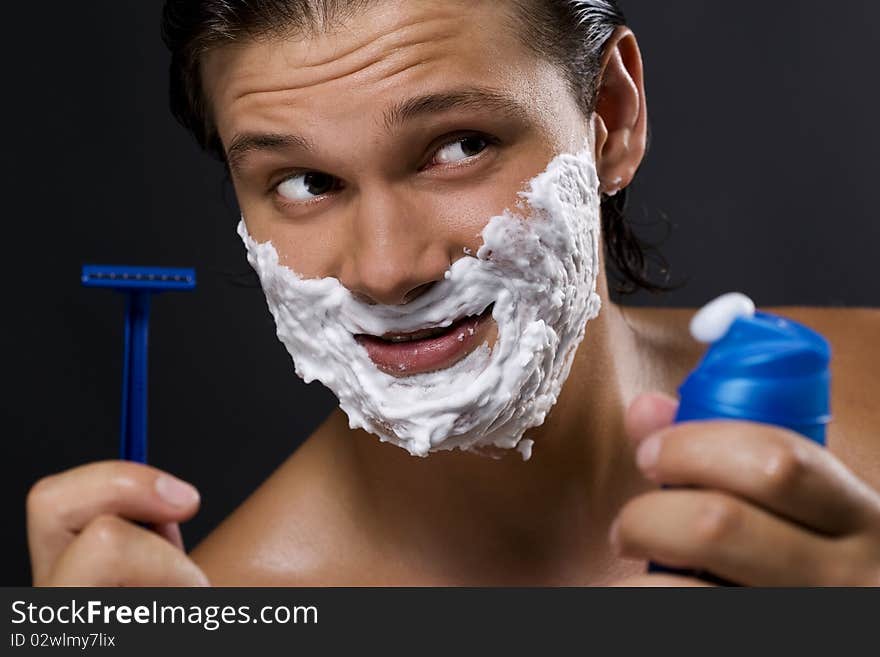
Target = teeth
(419,335)
(427,333)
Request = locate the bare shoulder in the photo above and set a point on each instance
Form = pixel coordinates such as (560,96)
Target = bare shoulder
(289,530)
(853,333)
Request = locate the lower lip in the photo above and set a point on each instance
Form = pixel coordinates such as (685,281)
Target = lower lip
(429,354)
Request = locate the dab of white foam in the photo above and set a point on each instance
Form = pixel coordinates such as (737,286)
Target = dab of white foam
(614,188)
(525,448)
(713,320)
(537,264)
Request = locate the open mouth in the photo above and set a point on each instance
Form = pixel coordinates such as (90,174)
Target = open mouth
(426,350)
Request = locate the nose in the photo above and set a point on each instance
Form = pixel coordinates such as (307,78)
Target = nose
(395,253)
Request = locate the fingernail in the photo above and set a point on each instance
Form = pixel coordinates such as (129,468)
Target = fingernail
(176,492)
(648,453)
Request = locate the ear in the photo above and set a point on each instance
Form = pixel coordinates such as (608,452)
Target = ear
(620,119)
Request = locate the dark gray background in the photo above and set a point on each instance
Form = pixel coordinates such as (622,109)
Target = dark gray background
(763,158)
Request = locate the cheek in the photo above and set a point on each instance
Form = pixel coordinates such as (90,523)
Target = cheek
(461,219)
(310,246)
(469,212)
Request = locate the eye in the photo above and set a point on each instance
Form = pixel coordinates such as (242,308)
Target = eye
(461,149)
(306,186)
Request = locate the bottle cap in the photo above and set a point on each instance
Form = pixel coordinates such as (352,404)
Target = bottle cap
(760,368)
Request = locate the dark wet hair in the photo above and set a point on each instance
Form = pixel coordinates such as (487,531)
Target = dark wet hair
(570,33)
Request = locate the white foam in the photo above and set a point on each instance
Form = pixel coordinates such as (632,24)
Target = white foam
(537,264)
(713,320)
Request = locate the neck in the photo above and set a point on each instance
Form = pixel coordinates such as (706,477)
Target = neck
(545,520)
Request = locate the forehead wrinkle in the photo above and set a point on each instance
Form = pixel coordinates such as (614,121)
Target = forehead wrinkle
(409,41)
(270,78)
(384,67)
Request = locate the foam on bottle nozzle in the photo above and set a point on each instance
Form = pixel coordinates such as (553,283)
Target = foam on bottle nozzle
(713,320)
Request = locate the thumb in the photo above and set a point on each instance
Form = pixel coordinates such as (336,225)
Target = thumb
(648,413)
(171,532)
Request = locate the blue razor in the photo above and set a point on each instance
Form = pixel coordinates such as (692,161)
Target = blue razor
(138,283)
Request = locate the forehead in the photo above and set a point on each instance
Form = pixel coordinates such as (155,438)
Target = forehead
(370,61)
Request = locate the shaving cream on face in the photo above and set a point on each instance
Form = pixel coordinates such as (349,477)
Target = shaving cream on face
(538,265)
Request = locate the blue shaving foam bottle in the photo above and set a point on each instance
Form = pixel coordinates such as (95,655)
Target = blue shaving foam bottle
(759,368)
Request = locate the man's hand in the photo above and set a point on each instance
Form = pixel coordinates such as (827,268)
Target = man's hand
(80,529)
(751,503)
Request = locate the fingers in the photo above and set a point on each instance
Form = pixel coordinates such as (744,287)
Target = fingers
(110,551)
(750,503)
(660,580)
(708,530)
(171,532)
(60,506)
(773,468)
(647,414)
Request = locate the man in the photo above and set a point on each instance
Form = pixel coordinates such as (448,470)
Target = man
(369,144)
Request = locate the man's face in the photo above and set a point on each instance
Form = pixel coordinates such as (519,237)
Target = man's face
(388,172)
(375,153)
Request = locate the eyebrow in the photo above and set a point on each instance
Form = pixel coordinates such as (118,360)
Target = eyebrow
(472,98)
(246,143)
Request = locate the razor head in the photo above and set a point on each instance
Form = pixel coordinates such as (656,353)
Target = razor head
(148,279)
